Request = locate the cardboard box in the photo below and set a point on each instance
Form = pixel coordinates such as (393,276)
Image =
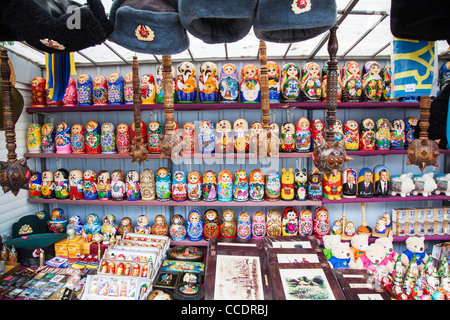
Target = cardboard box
(75,247)
(85,247)
(62,254)
(61,245)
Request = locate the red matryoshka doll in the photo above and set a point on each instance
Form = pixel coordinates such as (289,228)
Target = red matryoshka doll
(34,138)
(104,185)
(209,186)
(143,133)
(256,185)
(302,135)
(244,228)
(48,185)
(61,184)
(224,137)
(258,225)
(321,223)
(383,134)
(128,88)
(332,185)
(289,222)
(159,85)
(206,137)
(372,84)
(367,135)
(77,139)
(225,186)
(317,132)
(194,185)
(160,227)
(93,138)
(62,138)
(189,138)
(211,228)
(177,229)
(186,83)
(398,137)
(84,90)
(123,138)
(208,83)
(273,72)
(349,184)
(118,186)
(90,185)
(48,138)
(38,92)
(228,225)
(154,136)
(324,83)
(351,82)
(76,185)
(115,89)
(241,143)
(256,135)
(351,136)
(179,186)
(273,223)
(250,87)
(240,185)
(273,186)
(229,84)
(305,223)
(287,137)
(35,186)
(148,89)
(310,83)
(100,91)
(287,184)
(108,138)
(133,186)
(290,83)
(194,226)
(148,185)
(70,95)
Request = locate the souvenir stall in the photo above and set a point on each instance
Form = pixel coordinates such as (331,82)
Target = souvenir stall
(202,150)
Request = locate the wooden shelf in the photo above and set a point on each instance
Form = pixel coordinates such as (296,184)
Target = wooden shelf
(388,199)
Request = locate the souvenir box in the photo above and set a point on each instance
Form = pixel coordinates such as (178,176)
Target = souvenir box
(158,251)
(420,221)
(182,266)
(133,269)
(163,240)
(129,254)
(106,287)
(185,253)
(74,247)
(94,248)
(167,280)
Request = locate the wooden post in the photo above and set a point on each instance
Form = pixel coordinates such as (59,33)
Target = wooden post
(332,84)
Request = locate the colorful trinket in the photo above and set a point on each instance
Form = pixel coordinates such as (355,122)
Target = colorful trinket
(241,139)
(273,73)
(90,185)
(371,82)
(209,186)
(48,185)
(148,89)
(104,185)
(147,184)
(288,137)
(211,227)
(365,183)
(206,137)
(143,133)
(332,185)
(154,136)
(258,225)
(228,225)
(315,186)
(383,134)
(208,83)
(132,185)
(195,225)
(34,138)
(48,138)
(351,82)
(70,95)
(321,223)
(115,89)
(38,92)
(244,228)
(349,185)
(224,137)
(163,184)
(273,186)
(381,181)
(410,127)
(290,83)
(225,186)
(256,135)
(301,184)
(305,223)
(76,185)
(84,90)
(351,135)
(310,83)
(367,135)
(194,185)
(118,187)
(240,185)
(93,138)
(250,87)
(186,83)
(302,135)
(177,229)
(229,84)
(287,184)
(397,134)
(274,223)
(179,186)
(123,138)
(289,222)
(61,184)
(100,91)
(160,227)
(108,138)
(77,139)
(62,138)
(35,186)
(128,90)
(256,185)
(189,138)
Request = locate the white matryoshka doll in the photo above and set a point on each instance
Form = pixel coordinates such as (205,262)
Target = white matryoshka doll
(34,138)
(256,185)
(367,134)
(287,137)
(70,95)
(224,137)
(289,222)
(48,185)
(256,136)
(305,223)
(62,138)
(148,89)
(77,139)
(228,225)
(273,73)
(371,82)
(76,185)
(397,134)
(123,138)
(35,186)
(243,227)
(209,186)
(147,181)
(38,92)
(225,186)
(163,184)
(194,185)
(104,185)
(273,226)
(154,136)
(90,185)
(128,89)
(195,225)
(179,186)
(351,82)
(206,137)
(48,138)
(229,84)
(77,224)
(240,185)
(100,91)
(290,83)
(208,83)
(189,138)
(211,227)
(273,186)
(258,225)
(133,186)
(186,83)
(115,89)
(250,87)
(84,90)
(108,138)
(93,137)
(177,229)
(310,83)
(351,135)
(118,187)
(302,135)
(241,143)
(324,83)
(159,84)
(61,184)
(349,184)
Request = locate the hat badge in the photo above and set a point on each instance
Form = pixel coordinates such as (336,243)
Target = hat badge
(301,6)
(144,33)
(52,44)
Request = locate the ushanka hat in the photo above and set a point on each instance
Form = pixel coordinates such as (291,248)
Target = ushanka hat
(148,26)
(287,21)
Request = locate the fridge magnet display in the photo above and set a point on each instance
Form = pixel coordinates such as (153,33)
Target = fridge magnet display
(118,186)
(61,184)
(35,186)
(104,185)
(273,73)
(34,138)
(77,139)
(228,225)
(240,185)
(100,91)
(315,186)
(301,184)
(302,135)
(163,184)
(244,228)
(160,227)
(311,83)
(225,186)
(38,92)
(365,183)
(209,186)
(332,186)
(211,224)
(383,134)
(177,228)
(108,138)
(250,87)
(84,90)
(123,138)
(256,185)
(258,225)
(128,90)
(154,136)
(274,223)
(206,137)
(90,185)
(48,138)
(288,137)
(194,185)
(397,134)
(186,83)
(229,84)
(273,186)
(76,185)
(167,280)
(224,138)
(371,82)
(62,138)
(70,95)
(321,222)
(116,89)
(48,185)
(93,137)
(289,222)
(349,186)
(241,139)
(351,136)
(287,184)
(208,83)
(367,135)
(179,186)
(351,82)
(194,226)
(148,185)
(132,185)
(290,83)
(381,181)
(148,89)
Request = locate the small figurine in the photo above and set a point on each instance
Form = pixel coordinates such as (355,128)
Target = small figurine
(301,185)
(159,84)
(274,130)
(349,186)
(57,222)
(34,138)
(315,186)
(208,83)
(273,223)
(38,92)
(371,82)
(179,186)
(123,139)
(125,226)
(93,138)
(244,228)
(177,229)
(160,228)
(350,229)
(118,187)
(305,223)
(256,185)
(258,225)
(241,139)
(225,186)
(351,136)
(317,133)
(321,223)
(381,178)
(76,185)
(397,134)
(383,134)
(386,77)
(186,83)
(289,222)
(163,184)
(302,135)
(61,184)
(365,183)
(338,130)
(189,138)
(148,185)
(115,89)
(148,89)
(48,185)
(77,224)
(144,137)
(224,137)
(290,83)
(70,95)
(195,225)
(228,225)
(90,185)
(287,137)
(287,184)
(209,186)
(128,90)
(35,186)
(194,185)
(77,139)
(332,186)
(143,225)
(100,91)
(154,136)
(132,185)
(367,135)
(273,73)
(211,225)
(324,83)
(311,84)
(48,138)
(91,227)
(104,185)
(84,90)
(351,82)
(109,226)
(229,84)
(250,87)
(108,138)
(273,186)
(240,185)
(410,127)
(255,138)
(206,137)
(62,138)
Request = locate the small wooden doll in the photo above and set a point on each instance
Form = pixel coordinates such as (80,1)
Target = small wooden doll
(123,138)
(225,186)
(273,186)
(208,83)
(48,138)
(125,226)
(365,183)
(383,134)
(351,135)
(163,184)
(305,223)
(108,138)
(224,137)
(211,227)
(148,89)
(250,87)
(93,138)
(229,84)
(244,228)
(338,130)
(194,185)
(48,185)
(90,185)
(275,136)
(100,91)
(315,186)
(386,77)
(410,128)
(147,181)
(115,89)
(351,82)
(154,136)
(349,185)
(206,137)
(35,186)
(371,82)
(144,136)
(258,225)
(321,223)
(332,185)
(159,85)
(128,90)
(398,134)
(160,227)
(84,90)
(302,135)
(209,186)
(38,92)
(350,229)
(241,139)
(91,227)
(77,139)
(34,138)
(240,185)
(273,72)
(62,138)
(381,181)
(367,135)
(143,225)
(61,184)
(118,187)
(289,222)
(273,223)
(311,83)
(109,226)
(179,186)
(317,132)
(301,184)
(228,225)
(76,185)
(177,229)
(195,225)
(290,83)
(70,95)
(186,83)
(287,184)
(256,185)
(77,224)
(324,83)
(188,137)
(287,137)
(133,186)
(256,135)
(104,185)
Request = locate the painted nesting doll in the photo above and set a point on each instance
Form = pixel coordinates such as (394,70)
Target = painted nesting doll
(109,226)
(255,138)
(194,185)
(100,91)
(229,84)
(225,186)
(34,138)
(108,138)
(383,134)
(274,129)
(324,83)
(371,82)
(160,227)
(48,185)
(311,83)
(104,185)
(93,138)
(250,87)
(228,225)
(317,132)
(365,183)
(367,139)
(315,186)
(133,186)
(256,185)
(258,225)
(188,137)
(305,223)
(125,226)
(62,138)
(206,137)
(195,225)
(209,186)
(211,227)
(351,135)
(38,92)
(332,185)
(290,83)
(143,225)
(186,83)
(273,186)
(163,184)
(177,229)
(148,89)
(273,72)
(351,82)
(287,184)
(50,101)
(349,185)
(123,138)
(241,139)
(77,224)
(240,185)
(61,184)
(48,138)
(224,137)
(128,90)
(144,136)
(154,136)
(321,223)
(397,134)
(90,185)
(289,222)
(92,226)
(208,83)
(76,185)
(84,90)
(147,181)
(381,181)
(118,187)
(35,186)
(288,137)
(244,228)
(115,89)
(301,184)
(273,223)
(70,95)
(302,135)
(338,130)
(410,128)
(444,75)
(386,77)
(179,186)
(77,139)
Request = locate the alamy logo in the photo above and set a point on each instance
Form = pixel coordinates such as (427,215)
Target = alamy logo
(74,20)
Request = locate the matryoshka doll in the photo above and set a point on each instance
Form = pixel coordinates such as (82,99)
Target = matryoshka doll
(108,138)
(143,225)
(48,185)
(209,186)
(61,184)
(274,223)
(208,83)
(132,185)
(225,186)
(410,128)
(77,139)
(386,77)
(349,184)
(104,185)
(38,92)
(77,224)
(159,84)
(321,223)
(91,227)
(147,181)
(250,87)
(258,225)
(367,135)
(211,228)
(76,185)
(365,183)
(188,137)
(125,226)
(273,73)
(372,84)
(163,184)
(275,136)
(148,89)
(144,136)
(48,138)
(317,132)
(351,82)
(229,84)
(206,137)
(186,83)
(338,131)
(35,186)
(70,95)
(305,223)
(118,187)
(256,185)
(351,135)
(177,230)
(90,185)
(315,186)
(84,90)
(332,185)
(50,101)
(383,134)
(115,89)
(302,135)
(397,134)
(194,226)
(34,138)
(128,89)
(273,186)
(287,184)
(228,225)
(224,137)
(241,143)
(290,83)
(288,137)
(154,136)
(310,83)
(301,184)
(289,222)
(240,185)
(109,226)
(160,227)
(179,186)
(57,222)
(243,227)
(93,138)
(123,138)
(381,181)
(324,83)
(62,138)
(100,91)
(255,138)
(194,185)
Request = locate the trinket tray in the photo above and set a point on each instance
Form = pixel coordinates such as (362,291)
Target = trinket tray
(185,253)
(188,291)
(159,294)
(167,280)
(182,266)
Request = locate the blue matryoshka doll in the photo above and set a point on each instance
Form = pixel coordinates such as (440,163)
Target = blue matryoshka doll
(290,83)
(229,84)
(410,128)
(209,186)
(179,186)
(386,78)
(177,230)
(35,186)
(273,72)
(48,138)
(77,224)
(444,75)
(92,226)
(250,87)
(240,185)
(206,137)
(195,225)
(62,138)
(365,183)
(244,228)
(108,138)
(90,185)
(84,90)
(208,83)
(186,83)
(225,186)
(115,89)
(132,185)
(163,184)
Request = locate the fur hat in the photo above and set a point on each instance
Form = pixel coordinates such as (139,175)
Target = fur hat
(289,21)
(217,21)
(148,26)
